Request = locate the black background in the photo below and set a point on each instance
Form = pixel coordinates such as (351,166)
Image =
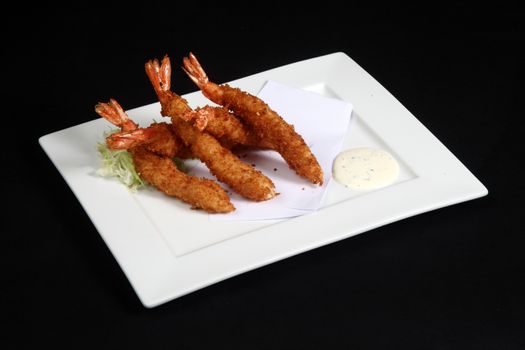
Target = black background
(453,278)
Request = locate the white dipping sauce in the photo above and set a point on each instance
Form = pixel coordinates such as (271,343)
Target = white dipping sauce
(365,168)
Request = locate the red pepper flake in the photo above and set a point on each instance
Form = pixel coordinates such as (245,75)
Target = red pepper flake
(274,169)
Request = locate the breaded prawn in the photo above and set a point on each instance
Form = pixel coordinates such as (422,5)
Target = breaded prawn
(160,171)
(224,165)
(157,137)
(217,121)
(265,122)
(227,128)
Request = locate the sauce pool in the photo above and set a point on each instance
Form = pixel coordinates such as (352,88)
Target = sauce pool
(365,168)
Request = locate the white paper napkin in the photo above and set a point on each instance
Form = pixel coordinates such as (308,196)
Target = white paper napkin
(323,123)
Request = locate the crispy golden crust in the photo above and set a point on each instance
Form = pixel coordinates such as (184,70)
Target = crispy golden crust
(269,126)
(164,142)
(173,104)
(228,129)
(221,124)
(224,165)
(265,123)
(162,173)
(241,177)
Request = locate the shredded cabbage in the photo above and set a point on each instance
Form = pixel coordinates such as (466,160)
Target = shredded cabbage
(119,164)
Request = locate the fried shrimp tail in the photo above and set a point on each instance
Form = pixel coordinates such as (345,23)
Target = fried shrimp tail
(160,171)
(263,121)
(157,138)
(114,113)
(217,121)
(159,75)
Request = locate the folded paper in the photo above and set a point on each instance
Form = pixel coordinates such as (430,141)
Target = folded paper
(323,123)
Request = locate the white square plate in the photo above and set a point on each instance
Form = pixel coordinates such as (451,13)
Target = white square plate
(167,250)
